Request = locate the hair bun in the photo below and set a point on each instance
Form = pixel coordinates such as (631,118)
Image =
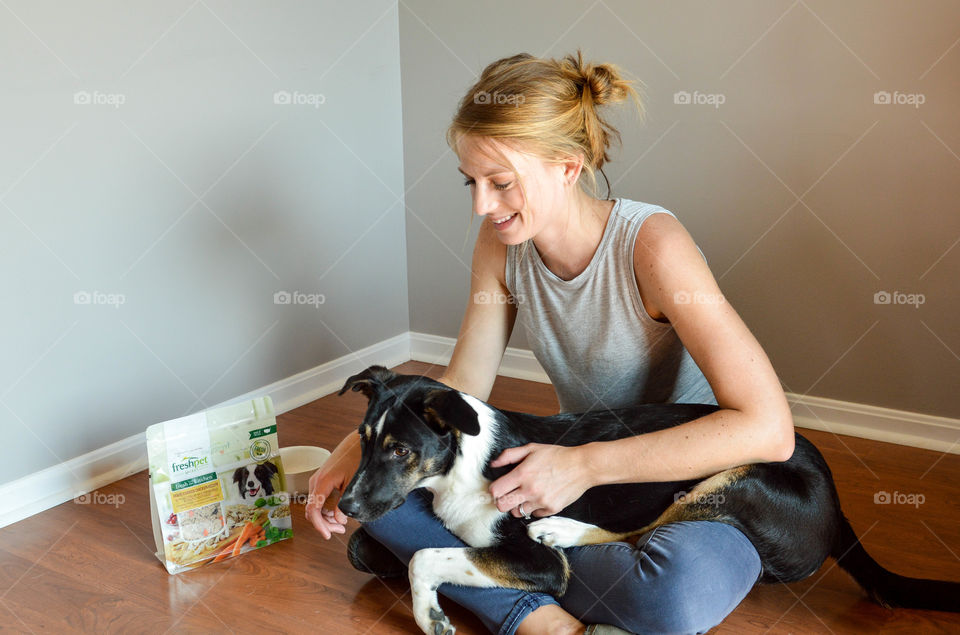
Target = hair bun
(603,81)
(605,84)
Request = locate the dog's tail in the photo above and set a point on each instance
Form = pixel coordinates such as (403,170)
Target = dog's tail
(887,588)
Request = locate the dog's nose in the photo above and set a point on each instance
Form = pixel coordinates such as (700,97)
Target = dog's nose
(250,483)
(349,506)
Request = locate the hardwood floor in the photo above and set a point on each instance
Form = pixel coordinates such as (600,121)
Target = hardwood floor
(91,567)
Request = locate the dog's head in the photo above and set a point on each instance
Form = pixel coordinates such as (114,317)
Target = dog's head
(255,481)
(410,432)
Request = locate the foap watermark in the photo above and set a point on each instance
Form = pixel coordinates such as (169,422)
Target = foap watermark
(699,498)
(296,98)
(696,98)
(498,98)
(896,297)
(898,498)
(296,297)
(698,297)
(99,498)
(896,98)
(496,297)
(99,297)
(96,98)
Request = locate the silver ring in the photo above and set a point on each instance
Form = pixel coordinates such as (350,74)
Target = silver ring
(522,512)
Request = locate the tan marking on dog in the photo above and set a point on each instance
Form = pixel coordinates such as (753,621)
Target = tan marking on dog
(387,440)
(498,570)
(684,509)
(501,571)
(367,430)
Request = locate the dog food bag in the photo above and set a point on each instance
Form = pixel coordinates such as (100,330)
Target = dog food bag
(217,488)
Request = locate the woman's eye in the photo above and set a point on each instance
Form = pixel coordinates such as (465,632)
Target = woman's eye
(400,451)
(469,182)
(501,187)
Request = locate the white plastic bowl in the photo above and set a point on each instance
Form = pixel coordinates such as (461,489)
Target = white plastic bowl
(299,464)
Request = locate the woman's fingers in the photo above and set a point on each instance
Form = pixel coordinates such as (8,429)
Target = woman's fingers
(321,508)
(512,455)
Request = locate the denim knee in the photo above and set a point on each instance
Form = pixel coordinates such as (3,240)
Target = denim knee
(683,577)
(705,569)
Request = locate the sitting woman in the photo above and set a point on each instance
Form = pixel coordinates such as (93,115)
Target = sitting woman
(620,308)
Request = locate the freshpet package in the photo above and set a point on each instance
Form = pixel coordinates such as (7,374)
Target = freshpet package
(216,484)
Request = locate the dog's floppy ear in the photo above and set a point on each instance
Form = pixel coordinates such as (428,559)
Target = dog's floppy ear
(445,409)
(368,381)
(265,470)
(239,474)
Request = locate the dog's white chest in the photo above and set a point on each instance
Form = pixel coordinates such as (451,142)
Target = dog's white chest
(468,512)
(461,498)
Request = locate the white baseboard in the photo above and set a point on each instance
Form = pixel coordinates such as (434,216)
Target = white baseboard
(47,488)
(44,489)
(880,424)
(816,413)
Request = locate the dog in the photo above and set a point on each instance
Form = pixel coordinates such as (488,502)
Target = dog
(255,480)
(418,432)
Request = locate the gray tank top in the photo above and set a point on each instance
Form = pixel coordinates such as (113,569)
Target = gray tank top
(592,334)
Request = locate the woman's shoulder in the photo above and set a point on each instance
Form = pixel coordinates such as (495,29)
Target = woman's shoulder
(639,211)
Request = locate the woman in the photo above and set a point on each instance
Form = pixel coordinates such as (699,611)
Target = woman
(620,308)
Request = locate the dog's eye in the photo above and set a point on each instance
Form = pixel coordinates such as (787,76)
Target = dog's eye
(400,451)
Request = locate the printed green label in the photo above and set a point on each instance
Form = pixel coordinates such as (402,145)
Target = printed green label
(262,432)
(191,482)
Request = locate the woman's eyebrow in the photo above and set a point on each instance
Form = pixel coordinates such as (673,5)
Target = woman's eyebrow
(503,171)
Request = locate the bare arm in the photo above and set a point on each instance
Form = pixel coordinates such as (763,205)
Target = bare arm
(486,326)
(754,423)
(483,337)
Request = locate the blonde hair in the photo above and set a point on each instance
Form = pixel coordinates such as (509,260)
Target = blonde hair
(548,108)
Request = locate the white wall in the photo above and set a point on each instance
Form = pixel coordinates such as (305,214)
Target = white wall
(196,200)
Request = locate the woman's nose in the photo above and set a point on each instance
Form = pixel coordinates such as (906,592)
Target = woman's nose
(483,204)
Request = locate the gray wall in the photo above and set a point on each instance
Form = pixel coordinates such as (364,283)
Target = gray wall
(878,184)
(102,197)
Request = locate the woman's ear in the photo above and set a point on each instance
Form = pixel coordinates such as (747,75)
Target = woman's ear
(572,168)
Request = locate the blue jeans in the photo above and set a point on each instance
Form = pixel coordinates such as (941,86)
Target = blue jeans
(684,577)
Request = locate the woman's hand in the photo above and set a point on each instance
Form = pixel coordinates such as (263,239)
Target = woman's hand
(336,473)
(547,479)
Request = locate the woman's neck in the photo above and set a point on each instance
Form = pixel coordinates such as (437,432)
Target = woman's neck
(567,246)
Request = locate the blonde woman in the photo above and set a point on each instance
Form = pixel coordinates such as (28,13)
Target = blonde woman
(620,308)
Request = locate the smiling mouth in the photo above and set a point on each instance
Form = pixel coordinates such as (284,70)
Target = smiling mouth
(504,219)
(253,492)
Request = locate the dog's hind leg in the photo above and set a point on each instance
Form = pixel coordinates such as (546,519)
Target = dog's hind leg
(526,565)
(704,502)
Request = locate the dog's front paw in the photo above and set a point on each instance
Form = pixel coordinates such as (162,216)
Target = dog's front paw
(431,619)
(423,585)
(558,532)
(440,623)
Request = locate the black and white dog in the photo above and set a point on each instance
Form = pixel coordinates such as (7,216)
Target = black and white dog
(255,480)
(418,432)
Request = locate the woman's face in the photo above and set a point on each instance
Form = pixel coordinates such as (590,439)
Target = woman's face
(496,193)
